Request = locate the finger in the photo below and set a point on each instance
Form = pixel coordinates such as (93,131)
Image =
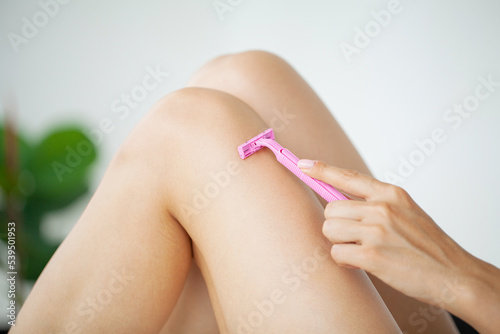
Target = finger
(350,255)
(343,231)
(354,210)
(349,181)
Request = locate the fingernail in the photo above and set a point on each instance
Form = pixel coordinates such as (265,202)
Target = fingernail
(305,163)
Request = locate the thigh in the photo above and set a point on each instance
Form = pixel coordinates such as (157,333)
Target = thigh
(256,229)
(282,98)
(302,123)
(193,312)
(123,266)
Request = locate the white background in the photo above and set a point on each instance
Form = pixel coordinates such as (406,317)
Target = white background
(395,91)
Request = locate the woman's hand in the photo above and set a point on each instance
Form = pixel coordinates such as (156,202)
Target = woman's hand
(387,234)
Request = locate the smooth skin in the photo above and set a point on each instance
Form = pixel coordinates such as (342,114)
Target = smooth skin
(387,234)
(138,261)
(256,237)
(304,125)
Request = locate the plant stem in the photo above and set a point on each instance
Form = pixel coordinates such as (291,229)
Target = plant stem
(13,205)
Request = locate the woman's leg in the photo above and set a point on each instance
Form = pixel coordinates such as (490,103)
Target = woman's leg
(304,125)
(255,229)
(193,312)
(123,266)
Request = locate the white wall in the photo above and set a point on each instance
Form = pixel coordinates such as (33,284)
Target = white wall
(393,92)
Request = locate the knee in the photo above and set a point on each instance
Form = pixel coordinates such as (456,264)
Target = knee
(251,58)
(244,65)
(192,118)
(188,134)
(262,62)
(199,111)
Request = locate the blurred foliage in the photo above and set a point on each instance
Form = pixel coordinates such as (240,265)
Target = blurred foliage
(48,175)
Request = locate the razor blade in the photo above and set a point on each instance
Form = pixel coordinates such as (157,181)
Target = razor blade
(290,161)
(250,147)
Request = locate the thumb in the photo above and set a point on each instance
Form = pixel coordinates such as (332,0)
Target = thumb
(347,180)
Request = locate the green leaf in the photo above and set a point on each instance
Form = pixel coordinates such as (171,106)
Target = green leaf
(36,252)
(36,207)
(51,175)
(60,165)
(34,249)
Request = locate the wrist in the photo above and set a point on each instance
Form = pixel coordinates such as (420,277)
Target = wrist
(475,294)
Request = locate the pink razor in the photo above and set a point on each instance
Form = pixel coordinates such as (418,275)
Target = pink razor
(287,159)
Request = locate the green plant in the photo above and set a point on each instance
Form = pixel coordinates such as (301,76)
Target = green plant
(37,178)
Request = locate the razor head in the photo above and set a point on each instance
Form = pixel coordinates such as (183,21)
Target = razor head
(250,147)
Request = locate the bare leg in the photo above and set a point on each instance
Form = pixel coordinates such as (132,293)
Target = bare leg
(123,266)
(193,312)
(256,237)
(304,125)
(255,227)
